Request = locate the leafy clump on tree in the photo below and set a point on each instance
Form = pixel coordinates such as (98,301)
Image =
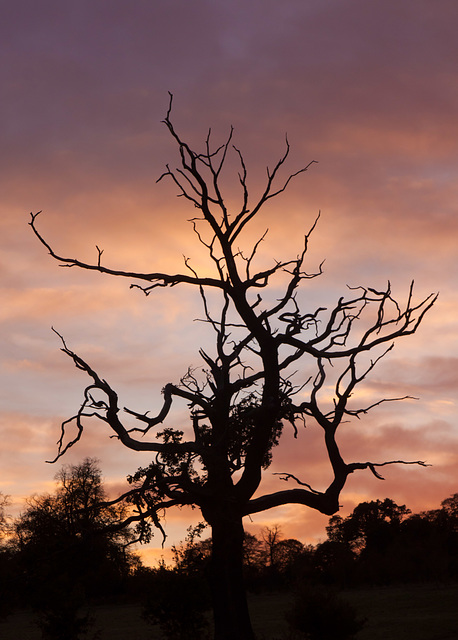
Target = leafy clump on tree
(272,364)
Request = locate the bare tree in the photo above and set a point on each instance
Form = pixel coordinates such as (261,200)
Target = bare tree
(252,383)
(5,524)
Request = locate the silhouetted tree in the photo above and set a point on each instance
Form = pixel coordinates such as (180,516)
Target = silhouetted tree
(366,524)
(332,562)
(271,537)
(266,559)
(371,533)
(4,519)
(427,548)
(449,507)
(279,556)
(70,549)
(247,390)
(253,553)
(7,560)
(192,555)
(382,542)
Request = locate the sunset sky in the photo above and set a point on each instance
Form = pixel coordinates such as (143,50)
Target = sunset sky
(367,89)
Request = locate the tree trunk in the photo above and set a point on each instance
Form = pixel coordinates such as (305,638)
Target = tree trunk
(230,608)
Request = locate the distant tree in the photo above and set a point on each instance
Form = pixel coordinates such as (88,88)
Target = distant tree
(265,557)
(71,549)
(428,545)
(271,537)
(449,507)
(5,521)
(193,554)
(382,542)
(417,554)
(332,562)
(253,553)
(364,545)
(272,364)
(367,524)
(8,568)
(280,554)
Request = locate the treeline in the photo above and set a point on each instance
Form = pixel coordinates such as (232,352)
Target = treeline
(67,551)
(384,543)
(379,543)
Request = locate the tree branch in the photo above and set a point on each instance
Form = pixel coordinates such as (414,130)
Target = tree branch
(158,279)
(107,410)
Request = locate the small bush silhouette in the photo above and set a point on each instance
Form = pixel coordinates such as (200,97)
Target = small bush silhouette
(177,603)
(67,622)
(318,613)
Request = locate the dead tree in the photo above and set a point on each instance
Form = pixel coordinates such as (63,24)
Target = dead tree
(269,369)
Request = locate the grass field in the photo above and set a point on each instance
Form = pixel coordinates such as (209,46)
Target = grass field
(419,612)
(423,612)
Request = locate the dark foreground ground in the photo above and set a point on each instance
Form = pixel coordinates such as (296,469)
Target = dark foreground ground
(420,612)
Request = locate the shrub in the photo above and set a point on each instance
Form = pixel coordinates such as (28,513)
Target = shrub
(318,613)
(177,602)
